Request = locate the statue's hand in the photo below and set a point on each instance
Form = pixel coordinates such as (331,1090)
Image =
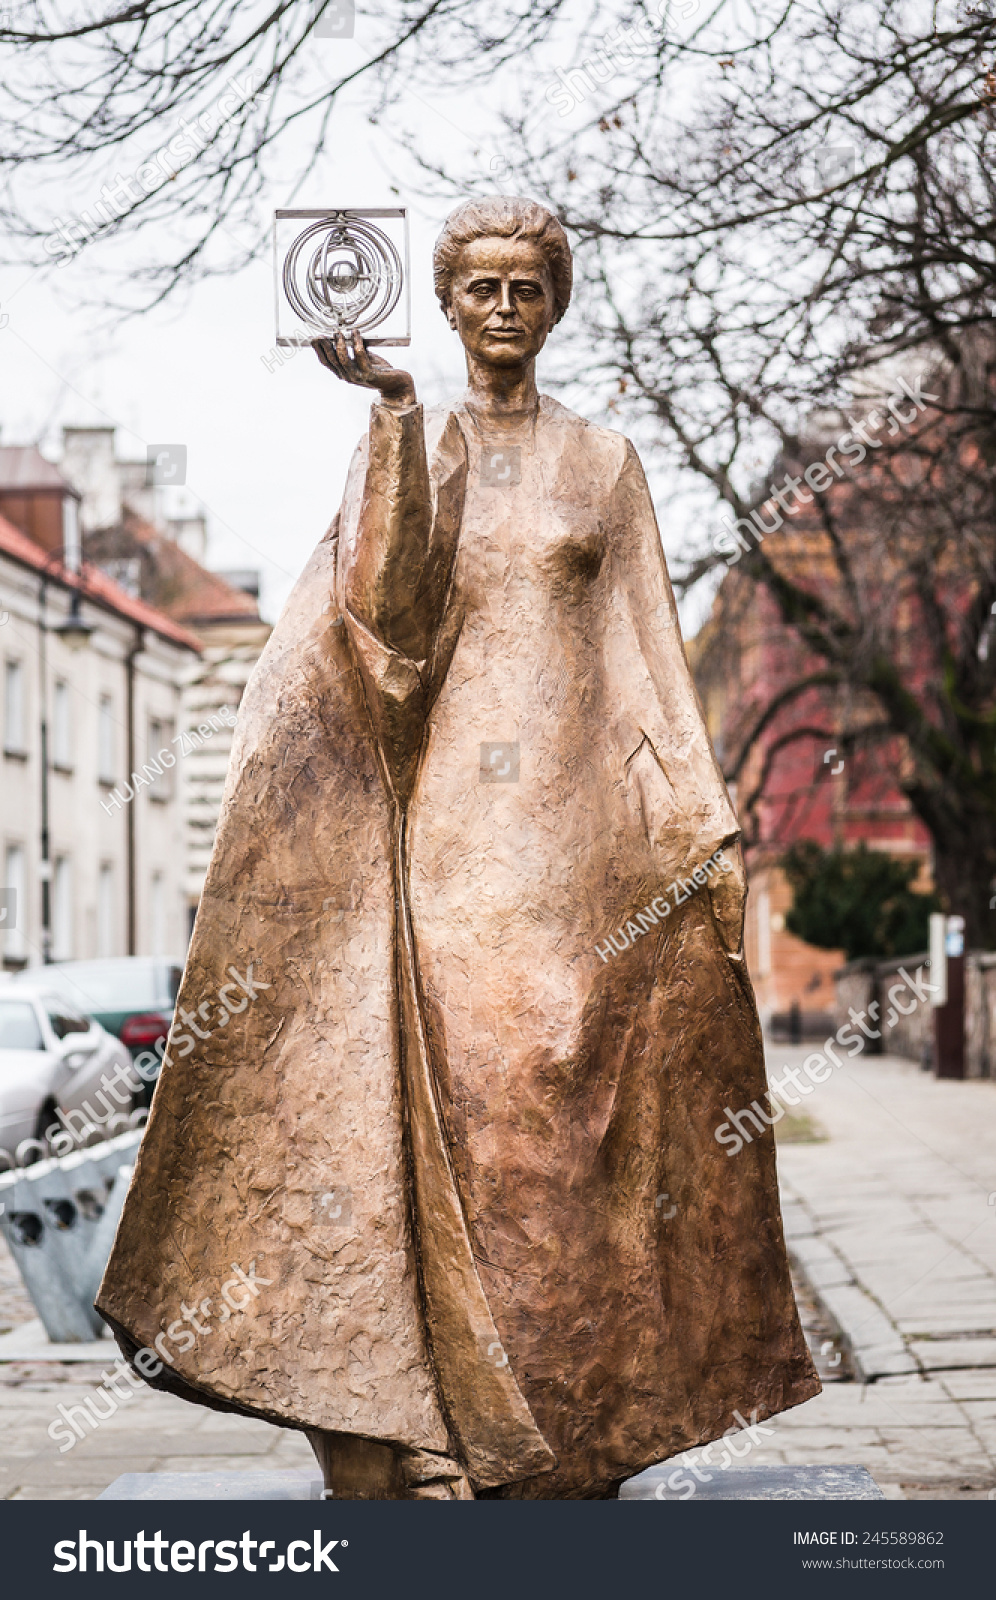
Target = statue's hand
(351,360)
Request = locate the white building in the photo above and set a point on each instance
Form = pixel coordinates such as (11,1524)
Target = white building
(92,692)
(142,535)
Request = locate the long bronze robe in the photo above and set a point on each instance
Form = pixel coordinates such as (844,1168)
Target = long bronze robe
(546,1264)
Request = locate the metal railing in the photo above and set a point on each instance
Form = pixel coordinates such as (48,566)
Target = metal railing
(59,1218)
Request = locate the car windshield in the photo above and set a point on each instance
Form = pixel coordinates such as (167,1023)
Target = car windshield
(19,1029)
(62,1018)
(116,985)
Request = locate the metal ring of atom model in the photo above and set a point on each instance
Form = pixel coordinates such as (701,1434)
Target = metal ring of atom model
(353,278)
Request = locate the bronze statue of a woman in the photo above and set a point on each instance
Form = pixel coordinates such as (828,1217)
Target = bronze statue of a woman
(455,1131)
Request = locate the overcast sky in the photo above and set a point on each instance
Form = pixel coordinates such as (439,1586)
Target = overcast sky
(267,450)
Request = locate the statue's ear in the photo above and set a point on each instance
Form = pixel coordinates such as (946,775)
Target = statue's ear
(447,310)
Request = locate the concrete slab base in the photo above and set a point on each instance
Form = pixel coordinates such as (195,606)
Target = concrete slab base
(273,1485)
(755,1483)
(30,1342)
(735,1483)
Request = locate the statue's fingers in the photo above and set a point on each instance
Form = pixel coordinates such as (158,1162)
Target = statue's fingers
(327,356)
(362,358)
(345,357)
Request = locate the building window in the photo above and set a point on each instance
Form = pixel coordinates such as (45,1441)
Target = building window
(160,738)
(15,905)
(62,910)
(126,574)
(62,727)
(106,918)
(13,709)
(106,741)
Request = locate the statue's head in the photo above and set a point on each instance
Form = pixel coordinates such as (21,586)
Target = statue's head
(502,271)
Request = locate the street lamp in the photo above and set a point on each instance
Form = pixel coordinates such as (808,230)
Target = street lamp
(74,631)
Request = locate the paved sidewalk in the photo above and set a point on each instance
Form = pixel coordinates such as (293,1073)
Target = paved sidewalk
(890,1219)
(152,1432)
(893,1221)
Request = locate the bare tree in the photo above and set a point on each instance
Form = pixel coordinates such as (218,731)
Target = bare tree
(171,119)
(891,654)
(780,218)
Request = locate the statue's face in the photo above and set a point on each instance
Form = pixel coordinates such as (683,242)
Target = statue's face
(502,301)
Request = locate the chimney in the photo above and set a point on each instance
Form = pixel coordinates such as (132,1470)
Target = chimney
(71,548)
(244,578)
(38,500)
(190,533)
(89,462)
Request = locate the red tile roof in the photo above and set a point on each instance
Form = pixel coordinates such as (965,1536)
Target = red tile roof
(94,585)
(195,594)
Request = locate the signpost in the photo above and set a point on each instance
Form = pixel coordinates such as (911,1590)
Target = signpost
(947,971)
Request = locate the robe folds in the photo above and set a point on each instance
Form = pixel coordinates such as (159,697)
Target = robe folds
(449,1178)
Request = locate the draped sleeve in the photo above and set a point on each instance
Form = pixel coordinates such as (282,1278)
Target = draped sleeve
(401,526)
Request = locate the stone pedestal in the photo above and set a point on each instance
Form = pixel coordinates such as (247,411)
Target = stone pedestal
(733,1483)
(753,1483)
(280,1485)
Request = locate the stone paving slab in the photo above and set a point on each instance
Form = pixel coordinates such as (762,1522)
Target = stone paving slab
(152,1432)
(221,1485)
(43,1492)
(958,1325)
(890,1222)
(876,1346)
(29,1342)
(971,1385)
(898,1197)
(82,1471)
(940,1355)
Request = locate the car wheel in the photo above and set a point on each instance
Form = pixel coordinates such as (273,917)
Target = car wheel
(46,1116)
(142,1098)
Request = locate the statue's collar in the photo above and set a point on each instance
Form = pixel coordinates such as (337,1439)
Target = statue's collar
(490,423)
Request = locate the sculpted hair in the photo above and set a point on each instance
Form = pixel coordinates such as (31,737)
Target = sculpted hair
(503,218)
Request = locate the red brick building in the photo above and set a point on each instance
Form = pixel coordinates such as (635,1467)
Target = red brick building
(813,771)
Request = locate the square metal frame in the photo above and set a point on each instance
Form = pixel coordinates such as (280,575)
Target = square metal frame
(345,211)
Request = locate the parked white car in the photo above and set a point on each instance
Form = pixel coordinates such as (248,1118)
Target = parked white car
(54,1059)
